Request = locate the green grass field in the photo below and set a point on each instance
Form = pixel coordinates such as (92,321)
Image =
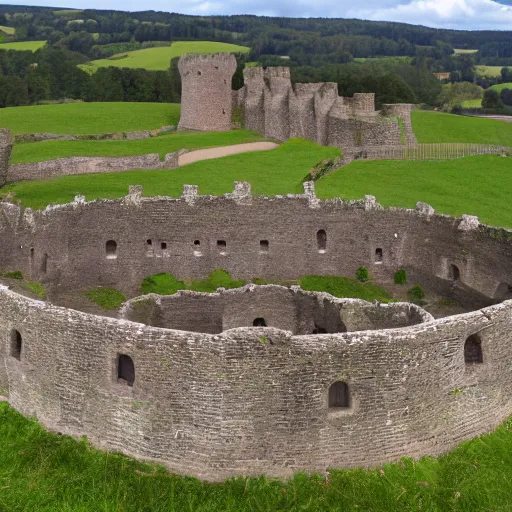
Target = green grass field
(431,127)
(10,31)
(23,45)
(500,87)
(477,185)
(472,103)
(68,12)
(489,70)
(89,118)
(159,58)
(460,51)
(44,472)
(47,150)
(270,172)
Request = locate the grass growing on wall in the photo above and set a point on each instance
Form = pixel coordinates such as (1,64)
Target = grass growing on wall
(167,284)
(89,118)
(279,171)
(476,185)
(45,472)
(23,45)
(107,298)
(50,149)
(433,127)
(158,58)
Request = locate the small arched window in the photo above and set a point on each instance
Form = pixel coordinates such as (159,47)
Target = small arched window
(111,249)
(264,245)
(454,272)
(259,322)
(473,350)
(125,369)
(378,255)
(16,344)
(339,395)
(321,240)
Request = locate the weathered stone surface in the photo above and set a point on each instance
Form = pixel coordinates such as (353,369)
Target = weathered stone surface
(6,142)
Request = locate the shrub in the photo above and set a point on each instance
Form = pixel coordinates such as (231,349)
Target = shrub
(400,276)
(362,274)
(416,293)
(17,274)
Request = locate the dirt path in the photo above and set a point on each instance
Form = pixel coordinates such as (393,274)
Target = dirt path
(207,154)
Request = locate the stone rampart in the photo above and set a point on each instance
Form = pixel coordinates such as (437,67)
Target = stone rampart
(6,142)
(257,400)
(206,98)
(251,236)
(90,165)
(315,111)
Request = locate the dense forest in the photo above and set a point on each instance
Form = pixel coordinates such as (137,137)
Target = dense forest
(316,49)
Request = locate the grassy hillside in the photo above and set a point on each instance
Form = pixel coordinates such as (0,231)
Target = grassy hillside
(478,185)
(89,118)
(8,30)
(45,472)
(500,87)
(489,70)
(159,58)
(270,172)
(438,127)
(47,150)
(23,45)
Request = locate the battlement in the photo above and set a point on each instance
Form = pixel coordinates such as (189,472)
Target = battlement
(194,62)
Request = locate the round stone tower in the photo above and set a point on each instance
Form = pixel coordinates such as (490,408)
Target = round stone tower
(206,91)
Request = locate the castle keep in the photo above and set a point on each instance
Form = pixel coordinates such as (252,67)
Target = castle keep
(270,105)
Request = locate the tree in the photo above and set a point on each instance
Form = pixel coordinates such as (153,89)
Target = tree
(491,99)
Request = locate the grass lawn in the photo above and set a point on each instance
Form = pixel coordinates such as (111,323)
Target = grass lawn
(477,185)
(89,118)
(438,127)
(45,472)
(279,171)
(47,150)
(167,284)
(159,58)
(489,70)
(472,103)
(7,30)
(23,45)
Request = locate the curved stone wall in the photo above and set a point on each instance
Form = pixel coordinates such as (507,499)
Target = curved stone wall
(65,246)
(291,309)
(256,400)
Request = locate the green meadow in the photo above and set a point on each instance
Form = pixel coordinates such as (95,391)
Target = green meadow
(10,31)
(89,118)
(23,45)
(159,58)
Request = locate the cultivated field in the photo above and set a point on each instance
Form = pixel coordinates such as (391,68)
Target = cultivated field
(48,150)
(23,45)
(432,127)
(461,51)
(489,70)
(160,57)
(46,472)
(89,118)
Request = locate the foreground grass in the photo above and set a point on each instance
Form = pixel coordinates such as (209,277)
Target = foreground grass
(436,127)
(49,473)
(477,185)
(50,149)
(279,171)
(89,118)
(159,58)
(343,287)
(23,45)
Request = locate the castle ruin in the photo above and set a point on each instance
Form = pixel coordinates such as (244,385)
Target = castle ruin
(269,104)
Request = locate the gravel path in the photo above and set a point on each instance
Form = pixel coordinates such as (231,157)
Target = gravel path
(207,154)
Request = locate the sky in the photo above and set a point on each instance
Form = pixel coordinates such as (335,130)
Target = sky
(456,14)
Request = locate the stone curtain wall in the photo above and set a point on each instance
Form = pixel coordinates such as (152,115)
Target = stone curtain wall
(294,310)
(180,236)
(215,406)
(6,142)
(90,165)
(273,107)
(206,100)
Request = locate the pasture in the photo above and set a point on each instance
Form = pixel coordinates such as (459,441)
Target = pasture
(47,472)
(500,87)
(23,45)
(10,31)
(432,127)
(159,58)
(89,118)
(489,70)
